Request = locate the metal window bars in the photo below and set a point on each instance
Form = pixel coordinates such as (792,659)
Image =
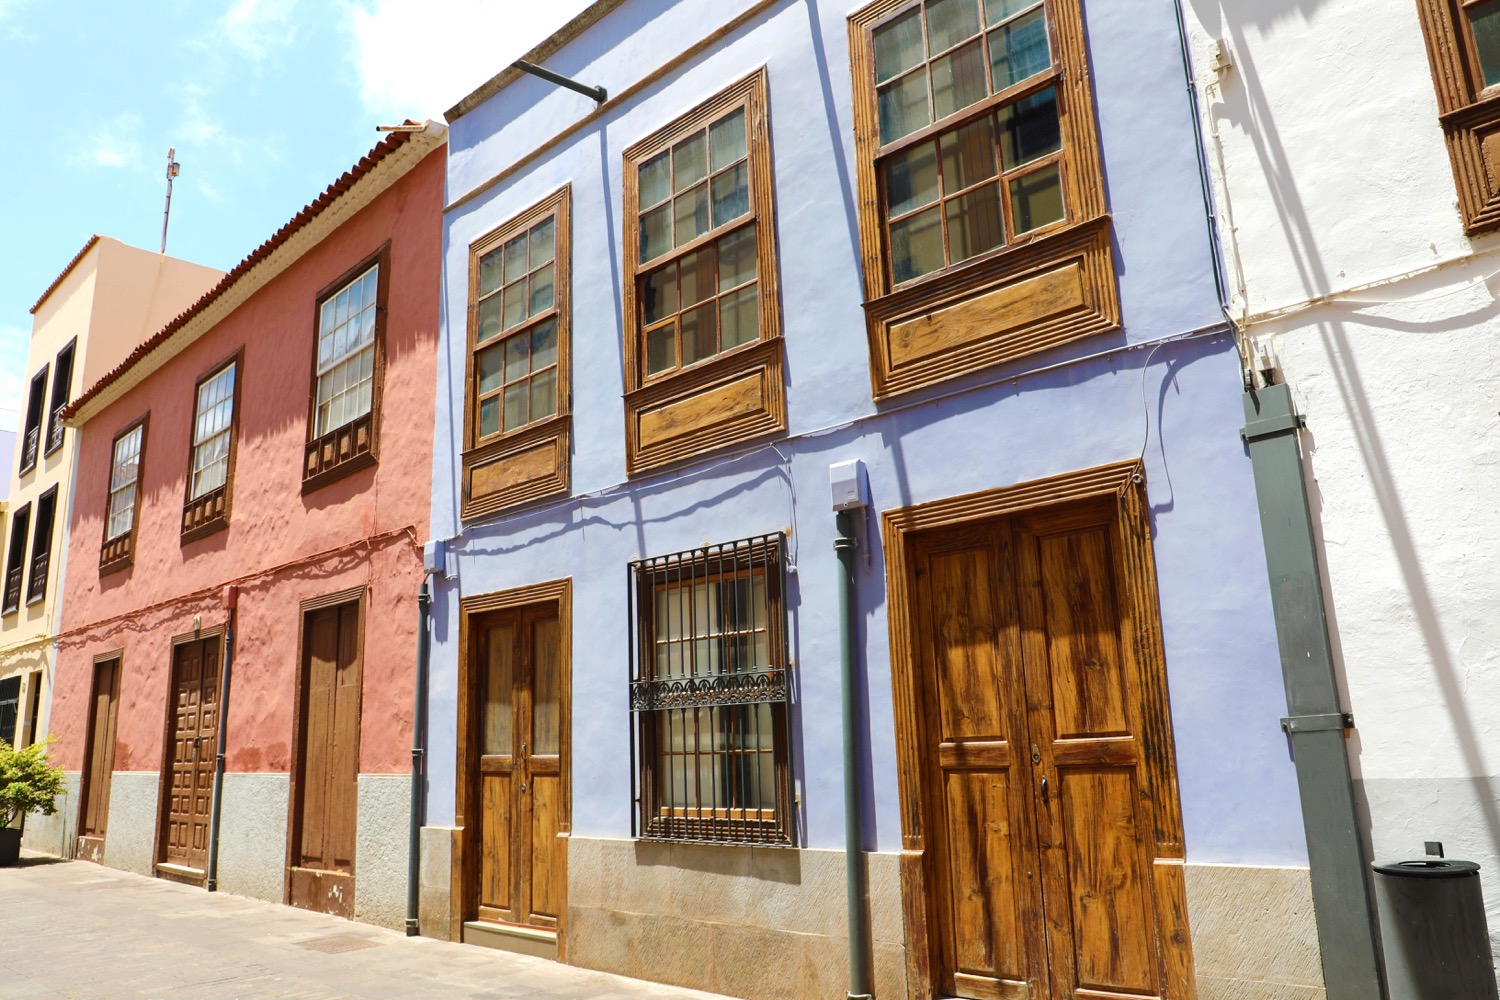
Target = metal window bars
(709,695)
(28,448)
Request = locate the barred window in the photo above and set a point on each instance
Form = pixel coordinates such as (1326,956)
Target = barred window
(708,690)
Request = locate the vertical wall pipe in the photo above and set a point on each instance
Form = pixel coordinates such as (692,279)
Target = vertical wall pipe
(231,596)
(854,857)
(418,753)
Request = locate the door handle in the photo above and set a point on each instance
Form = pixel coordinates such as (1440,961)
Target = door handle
(1044,788)
(523,750)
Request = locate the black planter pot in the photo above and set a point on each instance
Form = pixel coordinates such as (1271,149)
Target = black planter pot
(10,846)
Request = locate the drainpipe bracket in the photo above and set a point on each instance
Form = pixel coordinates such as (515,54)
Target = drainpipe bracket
(1318,723)
(1271,426)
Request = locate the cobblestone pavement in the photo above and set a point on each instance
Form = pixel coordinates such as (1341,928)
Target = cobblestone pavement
(76,930)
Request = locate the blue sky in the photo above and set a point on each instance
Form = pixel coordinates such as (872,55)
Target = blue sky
(266,102)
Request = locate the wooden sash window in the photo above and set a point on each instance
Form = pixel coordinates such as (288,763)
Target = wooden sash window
(15,559)
(1463,46)
(211,460)
(41,546)
(121,512)
(709,692)
(702,315)
(31,439)
(348,368)
(62,386)
(516,413)
(980,181)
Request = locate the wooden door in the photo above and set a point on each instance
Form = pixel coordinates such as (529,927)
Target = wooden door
(322,870)
(192,733)
(521,776)
(99,760)
(1039,802)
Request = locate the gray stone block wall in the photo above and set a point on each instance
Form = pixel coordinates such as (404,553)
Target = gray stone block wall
(382,835)
(252,835)
(56,834)
(1254,937)
(130,835)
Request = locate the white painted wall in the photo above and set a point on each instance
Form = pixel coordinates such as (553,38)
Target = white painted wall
(1348,260)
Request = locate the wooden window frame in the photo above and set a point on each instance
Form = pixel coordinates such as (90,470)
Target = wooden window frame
(1045,288)
(15,559)
(530,462)
(61,383)
(737,395)
(355,444)
(202,516)
(769,685)
(31,450)
(118,552)
(1468,111)
(36,592)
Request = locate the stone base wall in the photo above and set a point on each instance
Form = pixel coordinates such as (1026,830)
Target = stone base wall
(435,903)
(755,922)
(130,834)
(56,834)
(1254,937)
(380,849)
(252,835)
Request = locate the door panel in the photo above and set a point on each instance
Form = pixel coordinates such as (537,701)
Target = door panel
(103,719)
(195,697)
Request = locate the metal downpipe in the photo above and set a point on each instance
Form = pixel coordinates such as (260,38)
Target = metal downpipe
(212,881)
(854,858)
(418,755)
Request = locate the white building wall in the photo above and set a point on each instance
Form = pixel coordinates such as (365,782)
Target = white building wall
(1348,261)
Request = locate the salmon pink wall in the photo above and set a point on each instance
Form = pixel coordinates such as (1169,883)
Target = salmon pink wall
(281,547)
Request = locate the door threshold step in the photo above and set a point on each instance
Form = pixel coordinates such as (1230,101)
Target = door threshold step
(506,937)
(179,873)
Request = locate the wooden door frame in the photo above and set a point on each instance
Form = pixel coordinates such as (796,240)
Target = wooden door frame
(87,779)
(355,594)
(1140,608)
(164,779)
(464,885)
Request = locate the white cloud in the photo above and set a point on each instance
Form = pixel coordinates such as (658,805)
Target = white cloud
(418,58)
(198,130)
(113,145)
(14,343)
(256,27)
(10,11)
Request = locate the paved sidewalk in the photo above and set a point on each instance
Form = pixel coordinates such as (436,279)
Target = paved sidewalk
(73,929)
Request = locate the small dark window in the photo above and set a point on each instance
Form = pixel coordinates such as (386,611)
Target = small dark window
(15,559)
(10,704)
(62,387)
(32,439)
(41,546)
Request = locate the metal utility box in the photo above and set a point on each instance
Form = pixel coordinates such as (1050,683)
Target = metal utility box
(1432,926)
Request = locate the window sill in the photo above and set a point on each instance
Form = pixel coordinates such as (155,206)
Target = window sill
(339,453)
(1056,288)
(526,465)
(205,515)
(122,557)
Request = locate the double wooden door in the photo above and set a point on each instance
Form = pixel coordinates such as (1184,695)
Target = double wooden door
(192,738)
(99,759)
(1040,801)
(521,774)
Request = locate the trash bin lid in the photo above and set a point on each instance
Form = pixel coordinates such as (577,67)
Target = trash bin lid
(1429,868)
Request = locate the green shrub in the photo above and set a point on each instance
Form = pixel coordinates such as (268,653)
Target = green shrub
(28,781)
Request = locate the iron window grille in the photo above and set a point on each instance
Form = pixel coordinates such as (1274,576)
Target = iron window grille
(709,693)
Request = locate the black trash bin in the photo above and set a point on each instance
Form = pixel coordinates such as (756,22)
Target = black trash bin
(1437,945)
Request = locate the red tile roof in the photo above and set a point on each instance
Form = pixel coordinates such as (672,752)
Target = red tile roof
(65,271)
(334,191)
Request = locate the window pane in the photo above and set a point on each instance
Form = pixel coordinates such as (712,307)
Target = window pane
(1485,18)
(655,180)
(1036,199)
(515,405)
(726,140)
(546,732)
(491,368)
(689,162)
(499,719)
(898,45)
(544,345)
(958,80)
(731,194)
(659,294)
(515,258)
(903,106)
(544,394)
(543,242)
(1029,129)
(950,22)
(1019,50)
(996,11)
(489,416)
(911,179)
(489,318)
(974,222)
(700,335)
(515,304)
(661,352)
(737,258)
(325,319)
(656,232)
(541,291)
(968,155)
(690,215)
(916,245)
(698,276)
(517,357)
(739,317)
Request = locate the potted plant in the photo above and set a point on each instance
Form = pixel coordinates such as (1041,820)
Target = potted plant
(28,783)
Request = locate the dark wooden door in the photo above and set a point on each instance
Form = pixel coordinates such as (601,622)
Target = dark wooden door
(99,760)
(521,773)
(193,731)
(322,876)
(1039,804)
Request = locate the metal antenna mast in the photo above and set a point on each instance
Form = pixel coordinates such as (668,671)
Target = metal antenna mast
(172,169)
